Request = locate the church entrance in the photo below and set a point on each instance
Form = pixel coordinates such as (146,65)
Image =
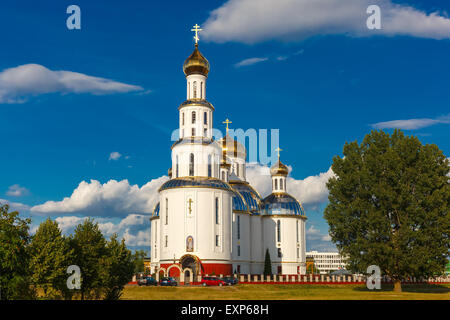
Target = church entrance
(190,261)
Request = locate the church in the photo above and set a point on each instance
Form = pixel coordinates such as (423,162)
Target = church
(209,219)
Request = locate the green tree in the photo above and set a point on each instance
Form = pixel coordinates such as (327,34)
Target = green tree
(267,264)
(138,261)
(90,252)
(50,257)
(389,206)
(118,268)
(14,256)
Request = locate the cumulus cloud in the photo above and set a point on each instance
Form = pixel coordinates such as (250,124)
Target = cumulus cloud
(21,82)
(315,240)
(114,155)
(17,191)
(249,62)
(111,199)
(311,191)
(252,21)
(411,124)
(15,206)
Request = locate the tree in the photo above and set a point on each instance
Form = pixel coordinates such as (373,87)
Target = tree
(389,206)
(90,251)
(267,264)
(50,257)
(14,256)
(138,261)
(118,268)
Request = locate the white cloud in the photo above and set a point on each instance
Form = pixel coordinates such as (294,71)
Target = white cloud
(17,191)
(114,155)
(111,199)
(142,238)
(251,21)
(249,62)
(312,231)
(411,124)
(18,83)
(15,206)
(310,191)
(67,224)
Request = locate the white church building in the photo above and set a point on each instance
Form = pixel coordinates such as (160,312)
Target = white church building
(209,219)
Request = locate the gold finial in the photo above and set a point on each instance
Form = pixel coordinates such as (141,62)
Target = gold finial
(278,150)
(227,122)
(196,30)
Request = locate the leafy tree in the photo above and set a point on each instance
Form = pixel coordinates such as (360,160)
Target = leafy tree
(389,206)
(138,261)
(267,264)
(118,268)
(14,256)
(90,252)
(50,257)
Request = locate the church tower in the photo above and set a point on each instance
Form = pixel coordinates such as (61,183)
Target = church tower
(192,228)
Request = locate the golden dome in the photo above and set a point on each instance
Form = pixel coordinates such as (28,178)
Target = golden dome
(279,169)
(196,63)
(232,148)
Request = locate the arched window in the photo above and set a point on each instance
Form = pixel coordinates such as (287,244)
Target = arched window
(238,227)
(193,116)
(205,118)
(167,211)
(278,230)
(193,132)
(217,210)
(176,168)
(297,232)
(182,119)
(191,164)
(281,184)
(195,89)
(276,184)
(209,166)
(201,90)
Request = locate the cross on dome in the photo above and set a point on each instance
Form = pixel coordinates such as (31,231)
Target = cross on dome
(227,122)
(278,150)
(196,30)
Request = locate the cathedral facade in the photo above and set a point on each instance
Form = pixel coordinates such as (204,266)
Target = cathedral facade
(209,219)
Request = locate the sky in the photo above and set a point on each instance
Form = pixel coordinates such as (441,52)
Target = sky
(86,115)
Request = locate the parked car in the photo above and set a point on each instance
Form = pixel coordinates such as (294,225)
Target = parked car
(147,281)
(212,281)
(168,281)
(230,281)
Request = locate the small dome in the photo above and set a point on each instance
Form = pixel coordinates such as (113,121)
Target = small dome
(250,195)
(282,204)
(196,64)
(232,148)
(279,169)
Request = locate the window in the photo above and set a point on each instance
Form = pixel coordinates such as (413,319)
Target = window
(182,119)
(297,230)
(166,242)
(217,240)
(193,116)
(176,168)
(217,210)
(223,175)
(276,184)
(279,252)
(238,227)
(239,251)
(279,231)
(281,184)
(201,90)
(205,132)
(237,169)
(195,89)
(205,118)
(298,253)
(167,211)
(193,132)
(191,165)
(209,166)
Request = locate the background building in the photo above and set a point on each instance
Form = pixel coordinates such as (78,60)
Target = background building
(326,262)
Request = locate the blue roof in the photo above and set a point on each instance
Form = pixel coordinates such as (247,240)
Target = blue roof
(198,182)
(251,197)
(155,212)
(239,203)
(282,204)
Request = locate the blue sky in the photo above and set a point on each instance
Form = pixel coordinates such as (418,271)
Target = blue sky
(321,83)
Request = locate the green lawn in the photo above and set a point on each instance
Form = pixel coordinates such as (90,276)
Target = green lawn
(288,292)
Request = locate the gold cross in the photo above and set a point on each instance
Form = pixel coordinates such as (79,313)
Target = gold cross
(278,150)
(190,202)
(227,123)
(196,30)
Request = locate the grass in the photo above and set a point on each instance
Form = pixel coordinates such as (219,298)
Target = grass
(287,292)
